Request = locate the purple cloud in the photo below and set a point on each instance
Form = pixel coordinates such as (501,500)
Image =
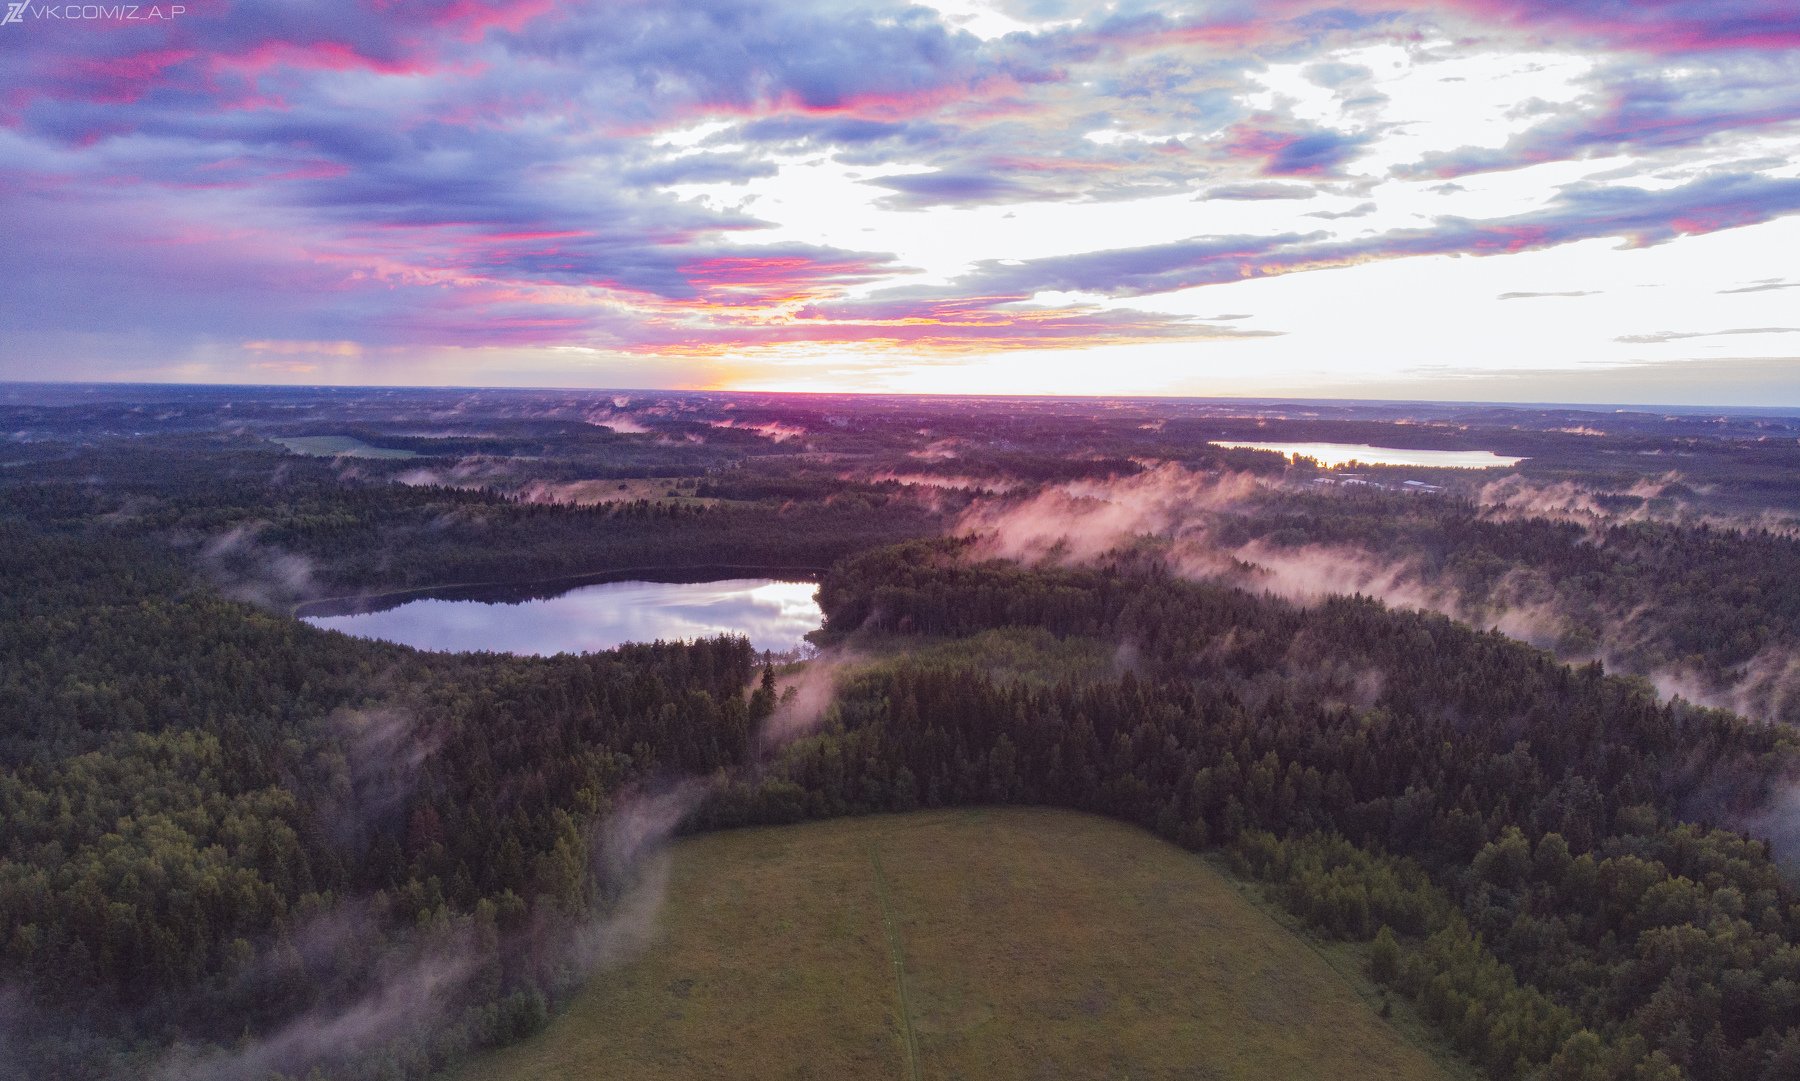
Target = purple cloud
(921,190)
(1639,216)
(1294,150)
(468,172)
(1629,110)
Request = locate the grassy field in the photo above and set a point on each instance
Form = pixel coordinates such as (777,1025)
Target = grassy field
(340,446)
(1027,944)
(628,490)
(1029,655)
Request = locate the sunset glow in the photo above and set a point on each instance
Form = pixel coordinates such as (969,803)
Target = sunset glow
(1488,199)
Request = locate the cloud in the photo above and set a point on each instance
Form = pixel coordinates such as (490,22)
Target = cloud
(1336,73)
(1531,296)
(1638,216)
(293,348)
(517,175)
(920,191)
(1661,27)
(1264,190)
(1763,287)
(805,131)
(1709,381)
(1293,150)
(1626,108)
(1357,211)
(1672,335)
(700,169)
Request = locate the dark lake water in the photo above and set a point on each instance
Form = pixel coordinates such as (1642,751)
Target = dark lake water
(773,614)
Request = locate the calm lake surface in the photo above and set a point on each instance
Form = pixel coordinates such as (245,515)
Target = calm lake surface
(774,615)
(1337,454)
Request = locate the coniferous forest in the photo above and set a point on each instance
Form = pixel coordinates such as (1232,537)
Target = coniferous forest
(1524,734)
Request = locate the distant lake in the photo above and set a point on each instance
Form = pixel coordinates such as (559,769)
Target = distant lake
(1337,454)
(773,614)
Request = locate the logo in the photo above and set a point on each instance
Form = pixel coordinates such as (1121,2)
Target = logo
(18,13)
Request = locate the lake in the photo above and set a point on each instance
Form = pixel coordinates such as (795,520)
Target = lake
(773,614)
(1338,454)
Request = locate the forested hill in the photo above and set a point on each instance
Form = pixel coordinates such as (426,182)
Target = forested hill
(225,829)
(1523,840)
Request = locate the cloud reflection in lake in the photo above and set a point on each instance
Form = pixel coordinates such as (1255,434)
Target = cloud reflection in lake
(774,615)
(1335,455)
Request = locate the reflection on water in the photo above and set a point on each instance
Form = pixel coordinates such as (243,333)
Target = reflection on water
(1337,454)
(773,615)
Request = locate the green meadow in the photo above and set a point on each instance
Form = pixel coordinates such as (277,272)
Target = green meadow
(340,446)
(984,944)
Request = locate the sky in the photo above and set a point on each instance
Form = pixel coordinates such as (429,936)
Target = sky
(1507,200)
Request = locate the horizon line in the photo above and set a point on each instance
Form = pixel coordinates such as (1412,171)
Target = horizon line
(1744,408)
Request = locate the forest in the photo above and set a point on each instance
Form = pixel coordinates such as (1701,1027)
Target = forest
(235,845)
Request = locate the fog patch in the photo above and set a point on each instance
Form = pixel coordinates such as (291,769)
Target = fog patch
(618,423)
(1668,499)
(938,450)
(1767,685)
(1170,508)
(772,430)
(1080,520)
(630,865)
(1778,822)
(384,750)
(409,995)
(804,700)
(475,471)
(416,987)
(246,569)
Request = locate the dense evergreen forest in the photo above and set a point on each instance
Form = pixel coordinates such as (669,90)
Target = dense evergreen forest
(232,845)
(215,816)
(290,528)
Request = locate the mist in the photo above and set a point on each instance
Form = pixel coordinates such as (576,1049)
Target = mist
(619,423)
(246,569)
(384,750)
(773,430)
(629,863)
(400,994)
(408,995)
(474,471)
(1079,521)
(810,689)
(1669,499)
(1176,511)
